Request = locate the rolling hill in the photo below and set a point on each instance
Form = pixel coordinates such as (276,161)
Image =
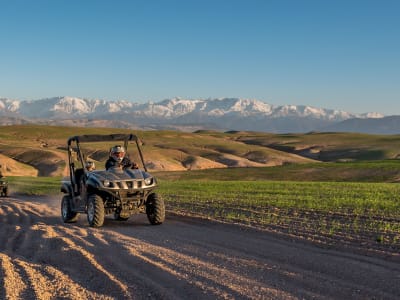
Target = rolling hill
(44,149)
(36,150)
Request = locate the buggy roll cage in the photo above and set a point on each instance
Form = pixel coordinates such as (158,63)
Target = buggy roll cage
(98,138)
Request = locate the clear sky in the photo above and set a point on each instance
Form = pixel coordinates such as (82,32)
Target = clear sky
(324,53)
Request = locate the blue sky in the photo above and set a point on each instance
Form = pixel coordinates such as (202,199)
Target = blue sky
(325,53)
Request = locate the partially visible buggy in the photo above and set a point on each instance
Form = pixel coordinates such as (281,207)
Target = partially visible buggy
(3,187)
(118,192)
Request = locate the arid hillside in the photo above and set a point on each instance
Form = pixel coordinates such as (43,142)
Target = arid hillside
(33,150)
(42,149)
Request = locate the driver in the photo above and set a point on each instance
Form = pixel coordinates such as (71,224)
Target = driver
(118,158)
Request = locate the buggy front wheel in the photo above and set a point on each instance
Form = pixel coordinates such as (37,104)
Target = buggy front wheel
(155,209)
(95,211)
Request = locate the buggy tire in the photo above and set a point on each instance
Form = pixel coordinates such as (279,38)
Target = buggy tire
(155,209)
(67,215)
(95,211)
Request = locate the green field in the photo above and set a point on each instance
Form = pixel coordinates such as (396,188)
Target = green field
(329,209)
(363,171)
(34,186)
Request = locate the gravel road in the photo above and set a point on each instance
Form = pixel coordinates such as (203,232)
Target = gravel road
(184,258)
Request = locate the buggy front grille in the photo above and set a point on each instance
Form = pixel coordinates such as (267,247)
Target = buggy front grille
(128,184)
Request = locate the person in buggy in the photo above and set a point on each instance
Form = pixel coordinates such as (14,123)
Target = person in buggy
(118,159)
(90,165)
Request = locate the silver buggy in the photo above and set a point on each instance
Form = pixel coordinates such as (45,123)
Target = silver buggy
(117,191)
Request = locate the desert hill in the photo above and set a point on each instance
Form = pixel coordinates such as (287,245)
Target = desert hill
(36,150)
(43,148)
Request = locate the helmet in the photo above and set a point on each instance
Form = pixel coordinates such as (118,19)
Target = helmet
(90,165)
(117,153)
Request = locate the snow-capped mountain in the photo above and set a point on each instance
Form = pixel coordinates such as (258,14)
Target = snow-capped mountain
(220,113)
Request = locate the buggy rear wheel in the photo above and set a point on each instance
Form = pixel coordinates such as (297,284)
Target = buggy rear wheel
(155,209)
(95,211)
(67,215)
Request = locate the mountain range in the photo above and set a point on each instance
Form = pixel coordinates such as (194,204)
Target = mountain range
(192,114)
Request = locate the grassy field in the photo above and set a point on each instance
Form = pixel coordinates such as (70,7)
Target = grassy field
(38,186)
(332,210)
(363,171)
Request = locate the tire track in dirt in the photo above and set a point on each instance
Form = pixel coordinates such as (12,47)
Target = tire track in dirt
(13,283)
(185,258)
(35,250)
(198,274)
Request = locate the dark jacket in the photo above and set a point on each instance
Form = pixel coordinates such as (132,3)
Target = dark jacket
(125,163)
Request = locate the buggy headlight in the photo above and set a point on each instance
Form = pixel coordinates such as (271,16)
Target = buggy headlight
(148,180)
(106,183)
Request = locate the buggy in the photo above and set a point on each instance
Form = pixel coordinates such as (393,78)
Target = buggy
(116,191)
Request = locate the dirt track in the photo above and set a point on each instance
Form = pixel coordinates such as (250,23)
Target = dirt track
(185,258)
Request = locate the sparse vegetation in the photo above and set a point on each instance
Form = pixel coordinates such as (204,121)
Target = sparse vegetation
(334,146)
